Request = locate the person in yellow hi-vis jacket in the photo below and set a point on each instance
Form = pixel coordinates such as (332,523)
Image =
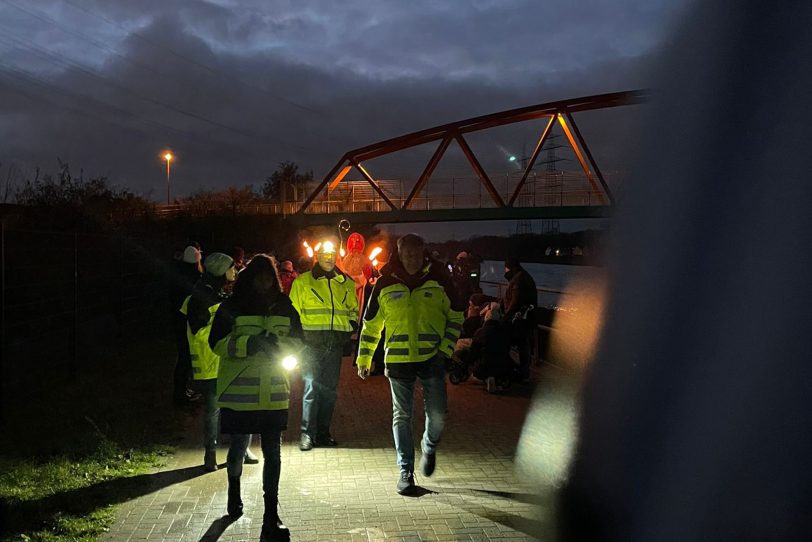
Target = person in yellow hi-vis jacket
(199,309)
(326,302)
(257,335)
(416,303)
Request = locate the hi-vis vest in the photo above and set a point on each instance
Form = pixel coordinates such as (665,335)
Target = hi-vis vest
(255,382)
(419,323)
(325,304)
(204,361)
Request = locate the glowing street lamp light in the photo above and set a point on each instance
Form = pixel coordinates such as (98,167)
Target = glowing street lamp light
(168,157)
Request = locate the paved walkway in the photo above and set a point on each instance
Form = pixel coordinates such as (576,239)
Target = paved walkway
(348,493)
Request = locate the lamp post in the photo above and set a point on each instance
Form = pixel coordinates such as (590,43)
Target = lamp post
(168,157)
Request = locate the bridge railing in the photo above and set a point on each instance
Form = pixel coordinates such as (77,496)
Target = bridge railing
(547,189)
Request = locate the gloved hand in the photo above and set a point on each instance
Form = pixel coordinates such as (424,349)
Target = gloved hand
(259,344)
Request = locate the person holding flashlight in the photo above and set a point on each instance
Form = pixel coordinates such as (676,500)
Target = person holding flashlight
(326,302)
(257,334)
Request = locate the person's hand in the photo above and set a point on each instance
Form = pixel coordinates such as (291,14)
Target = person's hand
(363,372)
(259,344)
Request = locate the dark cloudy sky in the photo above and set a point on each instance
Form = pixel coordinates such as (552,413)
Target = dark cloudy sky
(234,87)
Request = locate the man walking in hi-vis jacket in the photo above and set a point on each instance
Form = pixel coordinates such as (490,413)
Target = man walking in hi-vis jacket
(414,300)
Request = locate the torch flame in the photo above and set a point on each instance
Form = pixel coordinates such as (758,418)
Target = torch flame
(374,253)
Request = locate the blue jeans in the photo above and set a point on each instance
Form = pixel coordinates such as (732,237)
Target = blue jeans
(435,403)
(320,374)
(272,464)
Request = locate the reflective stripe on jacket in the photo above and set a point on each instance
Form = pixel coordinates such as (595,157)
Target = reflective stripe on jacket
(256,381)
(204,361)
(325,304)
(419,322)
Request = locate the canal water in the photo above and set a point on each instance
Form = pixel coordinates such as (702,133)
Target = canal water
(554,281)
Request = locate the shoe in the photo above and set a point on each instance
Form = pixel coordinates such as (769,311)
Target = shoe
(250,458)
(234,506)
(210,460)
(405,482)
(306,443)
(427,464)
(327,441)
(273,530)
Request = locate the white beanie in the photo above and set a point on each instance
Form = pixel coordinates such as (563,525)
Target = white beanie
(191,255)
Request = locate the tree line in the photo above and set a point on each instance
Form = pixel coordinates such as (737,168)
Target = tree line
(64,200)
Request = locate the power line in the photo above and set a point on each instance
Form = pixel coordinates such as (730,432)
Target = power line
(192,61)
(101,106)
(60,60)
(100,45)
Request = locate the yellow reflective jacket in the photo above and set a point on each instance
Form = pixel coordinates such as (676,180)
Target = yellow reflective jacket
(250,378)
(422,315)
(204,361)
(325,304)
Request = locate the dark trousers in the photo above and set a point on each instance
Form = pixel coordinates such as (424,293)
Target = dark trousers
(183,366)
(211,413)
(272,463)
(521,333)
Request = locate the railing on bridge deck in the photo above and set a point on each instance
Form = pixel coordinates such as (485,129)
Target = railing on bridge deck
(544,189)
(547,189)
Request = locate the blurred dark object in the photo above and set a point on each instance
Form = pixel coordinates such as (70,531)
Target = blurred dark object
(696,412)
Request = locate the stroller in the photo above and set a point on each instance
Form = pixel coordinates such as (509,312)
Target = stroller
(487,356)
(459,364)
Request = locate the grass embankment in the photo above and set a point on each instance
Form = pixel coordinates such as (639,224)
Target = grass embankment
(73,448)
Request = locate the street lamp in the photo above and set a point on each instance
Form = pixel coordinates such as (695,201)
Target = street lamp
(168,157)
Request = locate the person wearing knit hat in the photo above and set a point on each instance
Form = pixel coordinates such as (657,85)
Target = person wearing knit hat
(200,308)
(186,273)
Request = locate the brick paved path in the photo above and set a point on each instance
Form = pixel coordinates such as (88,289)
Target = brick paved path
(348,493)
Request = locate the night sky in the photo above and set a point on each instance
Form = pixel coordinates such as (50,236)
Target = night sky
(235,87)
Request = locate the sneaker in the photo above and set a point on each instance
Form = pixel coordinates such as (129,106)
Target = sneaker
(210,460)
(250,458)
(405,482)
(306,443)
(427,464)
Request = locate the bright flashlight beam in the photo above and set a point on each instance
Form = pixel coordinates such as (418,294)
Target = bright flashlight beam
(289,363)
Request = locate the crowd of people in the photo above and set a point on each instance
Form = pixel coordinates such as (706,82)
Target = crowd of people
(241,327)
